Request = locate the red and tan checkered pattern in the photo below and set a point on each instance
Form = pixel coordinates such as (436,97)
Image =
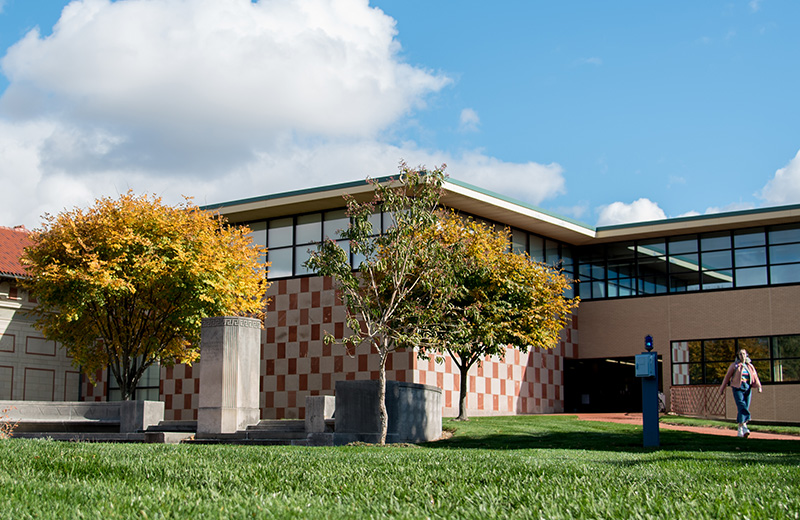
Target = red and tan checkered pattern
(517,383)
(95,392)
(680,354)
(179,388)
(296,363)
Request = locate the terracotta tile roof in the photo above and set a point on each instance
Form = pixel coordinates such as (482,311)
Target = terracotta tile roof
(12,242)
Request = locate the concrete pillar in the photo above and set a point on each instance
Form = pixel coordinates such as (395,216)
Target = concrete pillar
(230,355)
(318,409)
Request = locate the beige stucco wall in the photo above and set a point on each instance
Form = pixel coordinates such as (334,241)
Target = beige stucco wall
(31,367)
(777,403)
(612,328)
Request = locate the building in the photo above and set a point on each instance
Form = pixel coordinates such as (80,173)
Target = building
(701,286)
(31,367)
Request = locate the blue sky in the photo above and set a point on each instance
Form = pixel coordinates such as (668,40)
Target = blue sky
(602,111)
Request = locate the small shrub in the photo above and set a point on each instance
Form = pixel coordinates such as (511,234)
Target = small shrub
(7,426)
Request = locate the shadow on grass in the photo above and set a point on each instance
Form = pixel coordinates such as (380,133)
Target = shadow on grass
(538,432)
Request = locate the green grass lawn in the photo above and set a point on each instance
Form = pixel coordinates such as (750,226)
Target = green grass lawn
(504,467)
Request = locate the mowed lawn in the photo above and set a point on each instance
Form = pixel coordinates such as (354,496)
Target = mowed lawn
(502,467)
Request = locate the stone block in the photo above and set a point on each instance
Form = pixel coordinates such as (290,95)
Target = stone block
(414,411)
(137,416)
(318,409)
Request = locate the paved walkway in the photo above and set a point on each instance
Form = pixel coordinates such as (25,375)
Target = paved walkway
(636,418)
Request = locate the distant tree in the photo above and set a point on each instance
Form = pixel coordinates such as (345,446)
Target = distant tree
(491,297)
(394,264)
(125,283)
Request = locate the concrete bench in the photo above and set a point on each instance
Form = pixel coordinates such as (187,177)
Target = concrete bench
(78,416)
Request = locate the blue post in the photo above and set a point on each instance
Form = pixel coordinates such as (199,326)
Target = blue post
(647,370)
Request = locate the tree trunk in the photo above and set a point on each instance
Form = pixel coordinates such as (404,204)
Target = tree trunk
(382,397)
(463,389)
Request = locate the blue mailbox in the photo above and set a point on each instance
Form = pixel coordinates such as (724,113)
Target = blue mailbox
(645,365)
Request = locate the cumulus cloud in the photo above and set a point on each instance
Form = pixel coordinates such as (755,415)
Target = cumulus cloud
(220,100)
(784,187)
(469,120)
(160,81)
(531,182)
(640,210)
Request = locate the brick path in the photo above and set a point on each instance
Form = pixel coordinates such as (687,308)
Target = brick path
(636,418)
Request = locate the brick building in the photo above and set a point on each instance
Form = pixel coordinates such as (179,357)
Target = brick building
(701,286)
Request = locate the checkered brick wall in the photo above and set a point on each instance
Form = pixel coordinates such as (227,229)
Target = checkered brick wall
(96,392)
(295,363)
(180,390)
(680,354)
(516,383)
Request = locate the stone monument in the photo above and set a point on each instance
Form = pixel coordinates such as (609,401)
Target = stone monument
(230,355)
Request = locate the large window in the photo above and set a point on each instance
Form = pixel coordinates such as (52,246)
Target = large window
(686,263)
(705,362)
(290,240)
(147,389)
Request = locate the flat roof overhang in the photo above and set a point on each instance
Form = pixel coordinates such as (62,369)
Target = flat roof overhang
(457,195)
(699,224)
(492,206)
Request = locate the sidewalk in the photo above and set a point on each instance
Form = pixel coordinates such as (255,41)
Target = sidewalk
(636,418)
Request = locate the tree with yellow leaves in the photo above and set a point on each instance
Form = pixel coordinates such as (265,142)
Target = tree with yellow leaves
(125,283)
(490,297)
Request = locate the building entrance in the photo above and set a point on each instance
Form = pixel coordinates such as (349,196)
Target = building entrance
(604,385)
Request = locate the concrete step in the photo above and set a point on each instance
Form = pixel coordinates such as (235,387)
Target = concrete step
(167,437)
(250,442)
(83,436)
(280,425)
(174,426)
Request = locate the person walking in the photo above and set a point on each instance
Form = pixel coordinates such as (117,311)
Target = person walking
(742,377)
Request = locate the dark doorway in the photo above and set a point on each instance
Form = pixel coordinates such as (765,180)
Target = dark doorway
(603,385)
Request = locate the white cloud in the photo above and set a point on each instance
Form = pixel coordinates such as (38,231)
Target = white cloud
(734,206)
(640,210)
(531,182)
(593,61)
(784,187)
(469,120)
(755,5)
(220,100)
(174,78)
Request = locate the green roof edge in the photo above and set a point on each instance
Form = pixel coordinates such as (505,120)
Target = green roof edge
(753,211)
(293,193)
(352,184)
(519,203)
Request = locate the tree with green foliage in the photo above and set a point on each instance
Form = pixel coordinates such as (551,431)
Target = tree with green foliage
(125,283)
(490,297)
(395,264)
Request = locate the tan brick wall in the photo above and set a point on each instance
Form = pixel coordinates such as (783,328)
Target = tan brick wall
(611,328)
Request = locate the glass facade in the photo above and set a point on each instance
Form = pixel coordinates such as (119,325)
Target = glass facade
(705,362)
(740,258)
(686,263)
(147,388)
(290,240)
